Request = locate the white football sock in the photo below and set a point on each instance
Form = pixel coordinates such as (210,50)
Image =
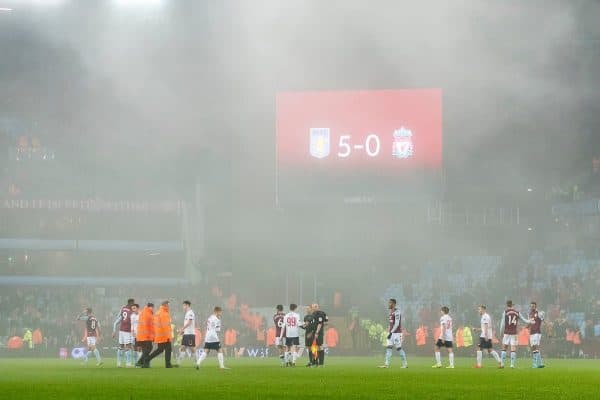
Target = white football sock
(201,358)
(438,358)
(451,359)
(220,358)
(495,355)
(479,357)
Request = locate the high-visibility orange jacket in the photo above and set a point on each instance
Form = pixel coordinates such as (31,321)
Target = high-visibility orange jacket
(145,329)
(570,335)
(523,338)
(37,337)
(331,337)
(198,337)
(230,337)
(460,340)
(421,336)
(270,336)
(162,325)
(577,338)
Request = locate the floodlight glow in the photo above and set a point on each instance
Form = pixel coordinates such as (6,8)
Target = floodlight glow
(128,3)
(5,9)
(51,3)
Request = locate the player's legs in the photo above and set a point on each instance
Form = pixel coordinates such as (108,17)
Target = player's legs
(128,353)
(94,350)
(401,353)
(479,353)
(534,341)
(287,358)
(202,357)
(513,350)
(450,355)
(281,350)
(494,354)
(438,355)
(220,358)
(182,350)
(294,349)
(119,355)
(87,354)
(505,344)
(207,348)
(388,356)
(534,352)
(321,351)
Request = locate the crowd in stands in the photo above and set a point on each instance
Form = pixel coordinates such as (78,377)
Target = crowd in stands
(566,291)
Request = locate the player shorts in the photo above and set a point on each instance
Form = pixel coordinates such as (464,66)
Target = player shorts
(188,340)
(125,338)
(395,340)
(535,339)
(91,341)
(212,345)
(292,341)
(443,343)
(279,341)
(484,343)
(510,340)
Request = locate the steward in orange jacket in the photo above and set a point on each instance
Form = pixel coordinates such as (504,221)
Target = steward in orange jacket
(145,335)
(460,340)
(163,334)
(421,336)
(332,337)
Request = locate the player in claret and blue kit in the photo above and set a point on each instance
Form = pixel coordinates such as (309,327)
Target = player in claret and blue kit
(123,321)
(279,340)
(92,335)
(394,337)
(535,330)
(509,322)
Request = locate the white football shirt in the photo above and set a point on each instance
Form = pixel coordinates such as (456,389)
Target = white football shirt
(290,322)
(190,329)
(213,327)
(485,319)
(135,318)
(446,333)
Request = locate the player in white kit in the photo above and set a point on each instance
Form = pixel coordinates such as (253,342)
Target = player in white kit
(290,331)
(445,339)
(135,318)
(188,340)
(485,338)
(211,338)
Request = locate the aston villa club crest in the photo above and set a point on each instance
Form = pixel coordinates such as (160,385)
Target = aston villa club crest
(319,142)
(403,145)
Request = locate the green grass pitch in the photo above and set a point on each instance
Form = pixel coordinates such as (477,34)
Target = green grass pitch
(347,378)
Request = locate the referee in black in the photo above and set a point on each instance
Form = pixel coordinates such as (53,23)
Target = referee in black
(308,327)
(319,319)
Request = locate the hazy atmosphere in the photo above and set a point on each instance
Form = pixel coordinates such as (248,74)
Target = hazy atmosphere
(159,150)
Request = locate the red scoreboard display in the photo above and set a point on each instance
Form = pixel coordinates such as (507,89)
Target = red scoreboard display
(357,144)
